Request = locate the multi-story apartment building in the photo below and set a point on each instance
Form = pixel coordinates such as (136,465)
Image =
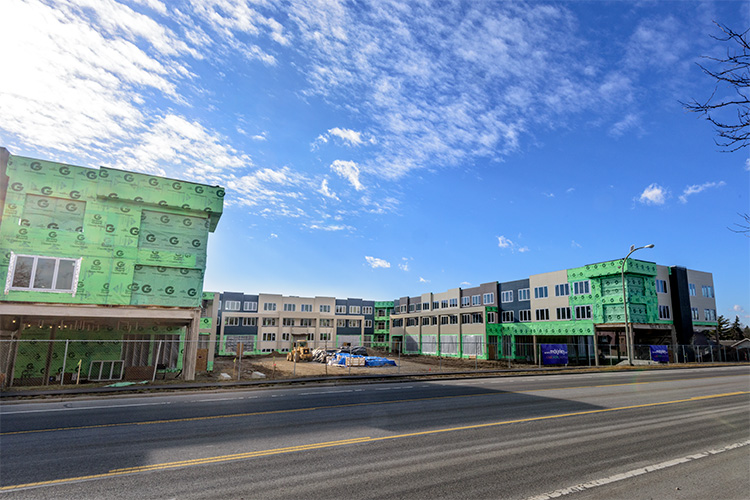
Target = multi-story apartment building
(581,306)
(100,254)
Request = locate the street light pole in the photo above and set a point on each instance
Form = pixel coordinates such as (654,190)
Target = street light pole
(628,331)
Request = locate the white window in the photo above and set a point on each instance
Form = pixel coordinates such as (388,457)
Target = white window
(434,320)
(454,302)
(708,291)
(231,305)
(542,314)
(443,320)
(489,298)
(524,315)
(354,309)
(426,321)
(540,292)
(380,313)
(444,303)
(290,307)
(269,337)
(709,314)
(269,321)
(661,286)
(426,306)
(325,336)
(466,319)
(524,294)
(506,297)
(285,336)
(477,318)
(476,300)
(691,288)
(563,312)
(507,316)
(412,307)
(581,287)
(341,323)
(435,305)
(341,309)
(306,322)
(311,337)
(218,304)
(43,274)
(249,321)
(233,321)
(325,308)
(269,306)
(354,323)
(562,290)
(491,317)
(287,322)
(664,312)
(419,307)
(583,312)
(465,301)
(325,323)
(454,319)
(249,306)
(368,323)
(305,308)
(694,312)
(366,309)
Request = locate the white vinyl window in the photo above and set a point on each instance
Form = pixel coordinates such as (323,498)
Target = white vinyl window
(250,306)
(368,323)
(542,314)
(507,316)
(506,297)
(563,313)
(709,314)
(42,274)
(249,321)
(691,287)
(583,312)
(562,290)
(524,294)
(465,301)
(305,308)
(661,286)
(325,308)
(233,321)
(491,317)
(489,298)
(694,312)
(354,309)
(476,300)
(581,287)
(708,291)
(290,307)
(366,309)
(524,315)
(341,309)
(664,312)
(232,305)
(453,302)
(269,306)
(540,292)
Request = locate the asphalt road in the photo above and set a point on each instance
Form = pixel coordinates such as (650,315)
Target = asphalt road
(648,434)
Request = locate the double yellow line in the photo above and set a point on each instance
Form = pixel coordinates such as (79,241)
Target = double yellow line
(345,442)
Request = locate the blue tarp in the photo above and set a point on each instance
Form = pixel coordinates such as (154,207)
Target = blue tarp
(340,359)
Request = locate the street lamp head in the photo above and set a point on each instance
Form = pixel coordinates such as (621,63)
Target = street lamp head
(650,245)
(632,247)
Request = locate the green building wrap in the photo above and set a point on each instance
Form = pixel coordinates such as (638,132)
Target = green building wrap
(137,239)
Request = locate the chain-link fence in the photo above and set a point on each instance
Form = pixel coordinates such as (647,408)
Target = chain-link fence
(44,362)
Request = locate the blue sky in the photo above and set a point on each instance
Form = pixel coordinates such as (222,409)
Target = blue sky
(382,149)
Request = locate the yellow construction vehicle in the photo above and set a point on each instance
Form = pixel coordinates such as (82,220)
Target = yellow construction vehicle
(300,352)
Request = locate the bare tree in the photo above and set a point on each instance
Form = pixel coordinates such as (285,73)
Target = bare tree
(733,71)
(742,227)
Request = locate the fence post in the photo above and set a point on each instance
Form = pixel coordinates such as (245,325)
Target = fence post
(712,354)
(65,358)
(156,361)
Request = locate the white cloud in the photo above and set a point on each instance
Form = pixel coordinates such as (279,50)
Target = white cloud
(549,195)
(629,122)
(738,309)
(274,235)
(570,190)
(747,165)
(260,137)
(465,283)
(349,171)
(504,242)
(697,188)
(374,262)
(332,227)
(350,137)
(573,244)
(404,266)
(325,191)
(523,249)
(654,194)
(422,280)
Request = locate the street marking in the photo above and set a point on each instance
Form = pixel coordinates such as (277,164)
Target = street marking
(636,472)
(362,440)
(347,405)
(82,408)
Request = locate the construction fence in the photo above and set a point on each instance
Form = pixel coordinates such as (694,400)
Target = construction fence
(136,357)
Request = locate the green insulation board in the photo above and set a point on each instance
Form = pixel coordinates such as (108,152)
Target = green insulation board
(114,222)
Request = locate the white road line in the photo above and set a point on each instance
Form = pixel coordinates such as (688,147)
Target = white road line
(81,408)
(636,472)
(217,399)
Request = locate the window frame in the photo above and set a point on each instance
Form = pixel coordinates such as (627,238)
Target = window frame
(12,273)
(506,296)
(562,290)
(524,294)
(541,292)
(584,311)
